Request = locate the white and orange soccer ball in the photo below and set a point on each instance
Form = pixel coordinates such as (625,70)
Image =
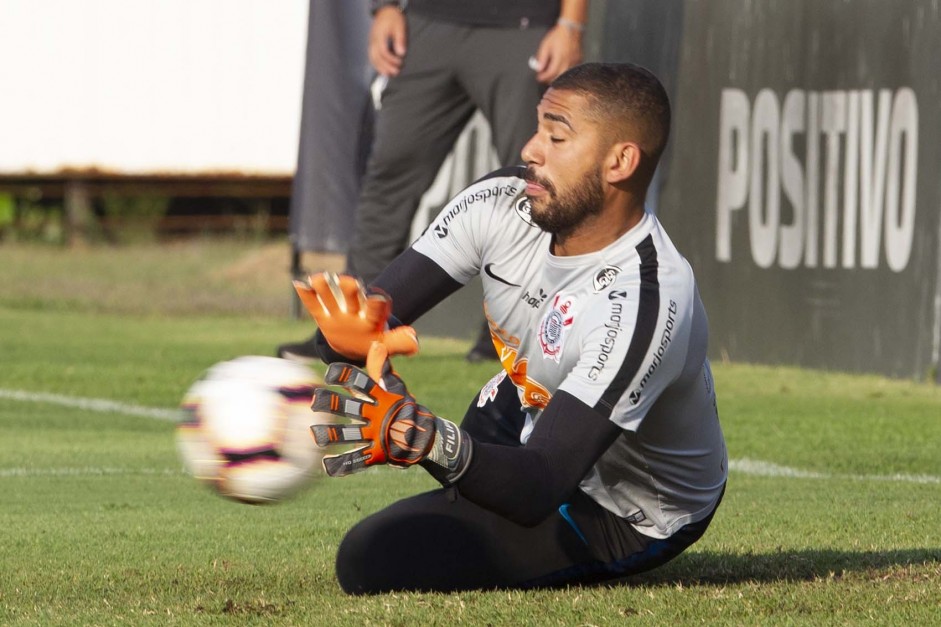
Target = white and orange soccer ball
(245,429)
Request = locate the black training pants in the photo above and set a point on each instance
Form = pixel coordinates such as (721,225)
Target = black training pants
(450,70)
(440,541)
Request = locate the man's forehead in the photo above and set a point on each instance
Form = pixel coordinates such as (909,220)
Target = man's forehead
(564,106)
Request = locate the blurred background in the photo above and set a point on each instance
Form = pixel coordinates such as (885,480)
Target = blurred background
(801,179)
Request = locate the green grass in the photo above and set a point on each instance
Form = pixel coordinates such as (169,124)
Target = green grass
(99,526)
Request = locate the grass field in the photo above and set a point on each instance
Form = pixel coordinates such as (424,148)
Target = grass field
(832,513)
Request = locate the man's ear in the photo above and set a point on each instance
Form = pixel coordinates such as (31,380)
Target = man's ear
(622,162)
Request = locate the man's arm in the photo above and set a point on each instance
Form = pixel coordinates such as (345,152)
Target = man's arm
(526,484)
(388,38)
(415,284)
(561,48)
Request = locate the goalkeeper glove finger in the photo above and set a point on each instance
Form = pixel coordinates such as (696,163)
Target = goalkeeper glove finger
(396,430)
(351,320)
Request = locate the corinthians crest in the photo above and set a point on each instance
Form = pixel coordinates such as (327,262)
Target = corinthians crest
(554,325)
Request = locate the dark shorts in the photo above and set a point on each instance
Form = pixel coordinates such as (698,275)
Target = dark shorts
(440,541)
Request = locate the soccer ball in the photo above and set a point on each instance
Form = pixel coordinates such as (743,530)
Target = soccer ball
(245,429)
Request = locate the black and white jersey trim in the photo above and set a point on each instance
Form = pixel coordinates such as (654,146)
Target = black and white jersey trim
(648,310)
(516,171)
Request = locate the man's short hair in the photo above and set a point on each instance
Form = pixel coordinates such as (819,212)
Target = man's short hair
(626,98)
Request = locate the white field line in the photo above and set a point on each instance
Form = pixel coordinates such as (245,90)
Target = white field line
(756,468)
(92,404)
(86,471)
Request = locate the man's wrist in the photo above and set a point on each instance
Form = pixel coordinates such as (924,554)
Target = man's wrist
(376,5)
(450,453)
(571,25)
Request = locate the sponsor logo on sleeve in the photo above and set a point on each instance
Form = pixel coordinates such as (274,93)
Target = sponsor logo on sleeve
(554,325)
(462,203)
(605,278)
(665,338)
(612,330)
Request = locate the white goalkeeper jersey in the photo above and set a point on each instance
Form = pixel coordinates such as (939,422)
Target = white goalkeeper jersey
(622,329)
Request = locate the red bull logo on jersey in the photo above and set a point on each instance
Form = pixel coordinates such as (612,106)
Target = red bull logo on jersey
(554,325)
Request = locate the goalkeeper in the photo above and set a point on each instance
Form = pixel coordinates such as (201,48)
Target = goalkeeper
(596,452)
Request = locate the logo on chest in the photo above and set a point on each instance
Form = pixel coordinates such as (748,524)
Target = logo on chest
(534,299)
(605,278)
(554,325)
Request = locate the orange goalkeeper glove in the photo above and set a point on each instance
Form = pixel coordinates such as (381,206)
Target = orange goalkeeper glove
(396,429)
(351,320)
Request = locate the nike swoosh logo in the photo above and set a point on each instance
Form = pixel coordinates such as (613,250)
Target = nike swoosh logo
(495,277)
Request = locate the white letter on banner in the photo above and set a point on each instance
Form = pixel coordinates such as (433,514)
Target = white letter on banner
(732,188)
(791,245)
(764,208)
(872,171)
(832,123)
(812,188)
(900,226)
(851,180)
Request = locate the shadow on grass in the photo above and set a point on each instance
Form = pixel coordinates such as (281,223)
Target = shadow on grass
(711,568)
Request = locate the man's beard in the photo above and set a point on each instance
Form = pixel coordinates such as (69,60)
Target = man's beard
(561,213)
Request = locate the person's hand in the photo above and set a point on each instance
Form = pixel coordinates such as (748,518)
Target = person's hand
(351,320)
(559,50)
(396,430)
(388,40)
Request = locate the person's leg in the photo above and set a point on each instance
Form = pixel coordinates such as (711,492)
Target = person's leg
(502,85)
(498,78)
(440,541)
(622,550)
(423,111)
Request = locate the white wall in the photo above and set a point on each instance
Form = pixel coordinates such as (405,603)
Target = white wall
(151,86)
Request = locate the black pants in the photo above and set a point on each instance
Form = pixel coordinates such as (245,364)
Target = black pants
(439,541)
(450,70)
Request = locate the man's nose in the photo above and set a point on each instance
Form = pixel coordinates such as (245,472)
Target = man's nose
(530,151)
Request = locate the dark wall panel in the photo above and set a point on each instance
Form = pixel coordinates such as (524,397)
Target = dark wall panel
(805,179)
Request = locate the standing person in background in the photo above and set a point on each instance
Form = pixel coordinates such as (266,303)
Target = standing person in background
(444,59)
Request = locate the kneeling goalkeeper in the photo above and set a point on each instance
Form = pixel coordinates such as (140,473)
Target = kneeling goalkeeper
(596,452)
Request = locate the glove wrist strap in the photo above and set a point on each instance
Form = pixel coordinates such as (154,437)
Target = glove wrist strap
(450,454)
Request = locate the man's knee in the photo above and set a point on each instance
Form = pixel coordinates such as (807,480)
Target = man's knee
(352,563)
(391,549)
(428,542)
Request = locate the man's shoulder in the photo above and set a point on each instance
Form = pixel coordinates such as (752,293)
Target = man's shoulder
(501,190)
(512,171)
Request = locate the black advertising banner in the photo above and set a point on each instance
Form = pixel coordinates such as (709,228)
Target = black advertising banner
(805,179)
(336,125)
